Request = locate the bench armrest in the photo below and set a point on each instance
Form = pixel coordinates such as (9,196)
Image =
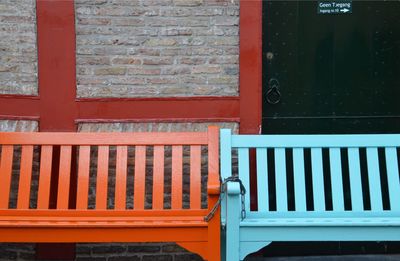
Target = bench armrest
(233,188)
(213,186)
(213,189)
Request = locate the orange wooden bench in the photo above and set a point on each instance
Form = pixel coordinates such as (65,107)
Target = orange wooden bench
(140,158)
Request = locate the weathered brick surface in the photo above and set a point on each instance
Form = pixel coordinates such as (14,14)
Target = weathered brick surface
(13,125)
(148,48)
(18,52)
(154,127)
(135,252)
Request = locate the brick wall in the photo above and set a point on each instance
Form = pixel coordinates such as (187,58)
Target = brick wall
(18,52)
(157,48)
(154,126)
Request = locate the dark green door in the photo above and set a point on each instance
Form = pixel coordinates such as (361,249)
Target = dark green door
(331,73)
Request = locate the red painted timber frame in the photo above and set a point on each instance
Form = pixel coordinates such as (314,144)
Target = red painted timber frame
(56,108)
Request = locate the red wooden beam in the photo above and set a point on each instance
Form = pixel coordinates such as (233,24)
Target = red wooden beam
(56,63)
(61,116)
(250,79)
(57,88)
(12,106)
(164,108)
(250,66)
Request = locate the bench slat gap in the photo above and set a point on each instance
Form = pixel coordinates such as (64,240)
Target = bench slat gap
(244,173)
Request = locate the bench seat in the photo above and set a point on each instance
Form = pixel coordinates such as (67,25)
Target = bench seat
(66,218)
(321,222)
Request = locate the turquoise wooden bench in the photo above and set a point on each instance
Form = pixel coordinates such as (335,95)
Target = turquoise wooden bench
(368,218)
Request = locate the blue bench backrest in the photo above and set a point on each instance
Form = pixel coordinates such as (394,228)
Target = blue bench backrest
(316,143)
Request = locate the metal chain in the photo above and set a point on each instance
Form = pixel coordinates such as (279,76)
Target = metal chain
(222,191)
(242,195)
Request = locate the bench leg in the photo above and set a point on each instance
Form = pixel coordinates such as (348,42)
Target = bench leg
(233,210)
(214,244)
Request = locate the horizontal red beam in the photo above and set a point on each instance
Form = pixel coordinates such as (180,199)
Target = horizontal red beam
(156,120)
(250,66)
(19,106)
(182,109)
(175,108)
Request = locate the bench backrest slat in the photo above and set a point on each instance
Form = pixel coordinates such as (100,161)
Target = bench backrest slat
(140,177)
(158,178)
(336,179)
(64,177)
(176,186)
(299,179)
(5,174)
(83,177)
(374,180)
(317,179)
(262,181)
(46,155)
(195,177)
(24,185)
(357,203)
(280,180)
(102,178)
(393,178)
(120,177)
(356,167)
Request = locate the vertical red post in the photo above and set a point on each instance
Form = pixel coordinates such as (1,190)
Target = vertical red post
(57,86)
(251,79)
(250,66)
(56,62)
